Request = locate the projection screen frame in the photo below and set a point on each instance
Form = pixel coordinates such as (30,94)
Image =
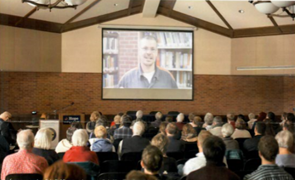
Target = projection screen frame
(153,30)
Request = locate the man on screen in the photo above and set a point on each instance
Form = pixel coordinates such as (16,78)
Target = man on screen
(148,74)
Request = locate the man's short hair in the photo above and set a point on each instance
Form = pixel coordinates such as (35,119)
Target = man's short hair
(214,149)
(25,139)
(158,115)
(203,135)
(180,117)
(240,124)
(268,147)
(198,121)
(260,127)
(126,120)
(251,116)
(172,128)
(152,158)
(230,117)
(208,118)
(191,116)
(139,114)
(160,141)
(80,137)
(227,130)
(139,175)
(218,120)
(138,128)
(285,139)
(43,138)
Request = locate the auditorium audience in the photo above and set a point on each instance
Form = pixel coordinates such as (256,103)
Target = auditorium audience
(65,144)
(175,145)
(179,121)
(240,131)
(79,152)
(227,130)
(268,170)
(285,158)
(42,145)
(151,162)
(138,175)
(124,131)
(216,126)
(158,120)
(169,164)
(24,161)
(252,119)
(63,171)
(136,143)
(208,121)
(252,143)
(231,119)
(214,151)
(101,143)
(188,133)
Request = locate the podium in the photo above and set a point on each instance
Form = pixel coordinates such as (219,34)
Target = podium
(65,121)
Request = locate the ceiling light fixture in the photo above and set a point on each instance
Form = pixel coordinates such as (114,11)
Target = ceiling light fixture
(241,11)
(116,4)
(270,7)
(189,7)
(49,4)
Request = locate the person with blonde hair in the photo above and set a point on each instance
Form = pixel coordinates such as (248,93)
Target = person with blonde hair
(101,143)
(241,131)
(42,146)
(188,133)
(24,161)
(285,158)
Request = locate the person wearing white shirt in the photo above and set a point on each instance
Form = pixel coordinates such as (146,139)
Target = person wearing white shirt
(217,124)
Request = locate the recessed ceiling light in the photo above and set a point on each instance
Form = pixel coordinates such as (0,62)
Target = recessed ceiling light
(241,11)
(189,7)
(116,4)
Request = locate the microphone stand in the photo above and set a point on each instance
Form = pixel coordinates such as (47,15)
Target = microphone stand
(63,108)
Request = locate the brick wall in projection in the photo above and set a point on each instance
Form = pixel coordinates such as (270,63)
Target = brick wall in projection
(23,92)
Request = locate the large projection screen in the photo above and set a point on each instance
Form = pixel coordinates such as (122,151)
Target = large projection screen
(147,64)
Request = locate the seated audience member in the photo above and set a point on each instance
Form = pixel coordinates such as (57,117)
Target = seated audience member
(6,128)
(198,124)
(208,121)
(158,120)
(124,131)
(136,143)
(269,128)
(261,117)
(139,175)
(79,152)
(162,128)
(91,124)
(240,131)
(101,143)
(169,164)
(42,145)
(24,161)
(65,144)
(268,170)
(231,119)
(216,126)
(283,118)
(175,145)
(191,117)
(252,119)
(116,124)
(285,158)
(188,133)
(214,151)
(4,148)
(252,143)
(168,119)
(227,130)
(179,121)
(139,116)
(63,171)
(151,161)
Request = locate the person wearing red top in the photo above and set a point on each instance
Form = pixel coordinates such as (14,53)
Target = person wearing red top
(24,161)
(79,152)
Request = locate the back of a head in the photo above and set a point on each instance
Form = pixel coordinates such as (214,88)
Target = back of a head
(188,131)
(230,117)
(261,116)
(43,138)
(63,171)
(218,120)
(139,114)
(169,119)
(100,132)
(285,139)
(77,125)
(158,115)
(291,117)
(25,139)
(152,158)
(138,128)
(260,127)
(80,137)
(198,121)
(162,127)
(180,117)
(126,120)
(268,147)
(5,115)
(139,175)
(214,149)
(172,128)
(251,116)
(208,118)
(227,130)
(117,119)
(240,124)
(160,141)
(94,116)
(191,116)
(203,135)
(271,116)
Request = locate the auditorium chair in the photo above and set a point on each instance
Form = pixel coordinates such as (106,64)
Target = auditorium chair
(103,156)
(173,113)
(176,155)
(150,133)
(112,176)
(241,142)
(190,150)
(24,176)
(131,156)
(251,154)
(154,112)
(130,113)
(118,166)
(92,170)
(235,160)
(290,170)
(252,164)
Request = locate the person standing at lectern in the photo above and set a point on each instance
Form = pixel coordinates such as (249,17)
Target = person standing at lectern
(6,129)
(148,74)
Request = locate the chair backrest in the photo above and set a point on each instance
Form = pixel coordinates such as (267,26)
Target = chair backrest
(92,170)
(241,142)
(24,176)
(116,143)
(290,170)
(118,166)
(181,161)
(173,113)
(61,155)
(251,154)
(131,112)
(234,155)
(112,176)
(252,164)
(153,112)
(176,155)
(103,156)
(131,156)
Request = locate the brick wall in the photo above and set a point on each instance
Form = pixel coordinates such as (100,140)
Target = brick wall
(23,92)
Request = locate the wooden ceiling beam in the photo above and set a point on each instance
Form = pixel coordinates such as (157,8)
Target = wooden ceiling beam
(27,15)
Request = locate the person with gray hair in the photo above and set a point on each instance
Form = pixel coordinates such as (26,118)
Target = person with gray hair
(227,130)
(179,121)
(158,120)
(216,126)
(136,143)
(252,120)
(139,115)
(285,158)
(24,161)
(79,152)
(208,121)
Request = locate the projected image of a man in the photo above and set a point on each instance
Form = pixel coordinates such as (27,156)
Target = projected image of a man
(148,74)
